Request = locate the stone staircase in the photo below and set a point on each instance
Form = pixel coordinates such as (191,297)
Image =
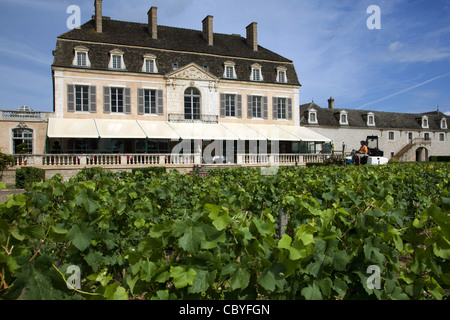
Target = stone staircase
(416,142)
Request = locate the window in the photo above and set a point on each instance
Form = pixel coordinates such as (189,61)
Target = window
(175,65)
(230,105)
(427,136)
(410,136)
(370,119)
(343,119)
(312,116)
(444,123)
(116,62)
(256,107)
(23,140)
(149,64)
(82,98)
(424,122)
(150,101)
(81,57)
(281,75)
(229,70)
(192,104)
(281,107)
(256,74)
(441,137)
(391,135)
(117,100)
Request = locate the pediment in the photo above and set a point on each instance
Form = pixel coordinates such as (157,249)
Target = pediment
(192,71)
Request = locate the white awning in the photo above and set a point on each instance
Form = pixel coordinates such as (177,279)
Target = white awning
(201,131)
(273,132)
(72,128)
(244,132)
(305,134)
(158,130)
(119,129)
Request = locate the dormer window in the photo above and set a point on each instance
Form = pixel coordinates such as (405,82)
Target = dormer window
(343,118)
(81,57)
(370,119)
(149,64)
(229,70)
(116,61)
(256,74)
(425,122)
(281,75)
(175,65)
(444,123)
(312,116)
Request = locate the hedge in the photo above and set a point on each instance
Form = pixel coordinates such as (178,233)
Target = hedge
(28,175)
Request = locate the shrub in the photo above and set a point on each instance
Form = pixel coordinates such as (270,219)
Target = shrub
(150,170)
(28,175)
(87,174)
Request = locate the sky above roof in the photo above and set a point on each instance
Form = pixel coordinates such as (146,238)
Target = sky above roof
(403,65)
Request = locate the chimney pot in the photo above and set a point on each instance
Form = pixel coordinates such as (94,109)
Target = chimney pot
(153,22)
(98,16)
(208,30)
(252,36)
(331,103)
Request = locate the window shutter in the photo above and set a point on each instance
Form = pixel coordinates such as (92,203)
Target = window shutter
(127,95)
(289,109)
(160,102)
(249,107)
(93,99)
(140,101)
(70,98)
(106,100)
(239,106)
(222,105)
(275,108)
(265,109)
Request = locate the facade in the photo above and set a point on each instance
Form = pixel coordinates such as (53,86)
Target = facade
(405,136)
(133,88)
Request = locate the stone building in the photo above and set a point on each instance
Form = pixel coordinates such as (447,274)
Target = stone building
(405,136)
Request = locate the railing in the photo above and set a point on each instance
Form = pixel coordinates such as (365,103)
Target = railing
(24,115)
(126,160)
(282,159)
(201,118)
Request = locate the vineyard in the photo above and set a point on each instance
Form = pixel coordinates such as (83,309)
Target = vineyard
(151,235)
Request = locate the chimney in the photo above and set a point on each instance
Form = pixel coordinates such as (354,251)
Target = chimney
(208,30)
(98,16)
(252,36)
(153,22)
(331,103)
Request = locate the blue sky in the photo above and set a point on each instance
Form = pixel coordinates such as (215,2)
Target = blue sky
(402,67)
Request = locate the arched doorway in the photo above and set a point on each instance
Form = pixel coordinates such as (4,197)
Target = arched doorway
(192,104)
(422,154)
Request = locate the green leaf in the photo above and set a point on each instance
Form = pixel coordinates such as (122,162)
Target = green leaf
(240,279)
(312,292)
(2,185)
(81,236)
(191,239)
(115,292)
(340,259)
(203,280)
(219,216)
(35,232)
(272,277)
(182,277)
(148,269)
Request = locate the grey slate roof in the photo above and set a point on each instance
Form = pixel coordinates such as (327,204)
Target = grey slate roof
(173,44)
(383,120)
